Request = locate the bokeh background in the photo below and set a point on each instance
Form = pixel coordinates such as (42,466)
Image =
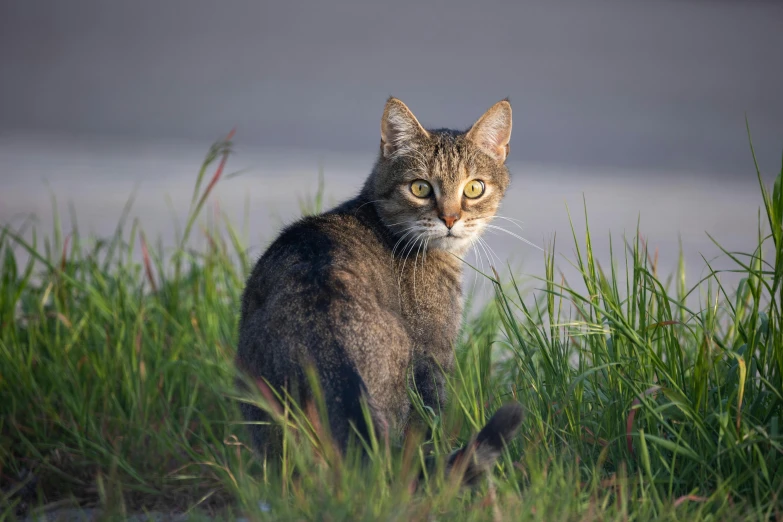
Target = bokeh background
(637,106)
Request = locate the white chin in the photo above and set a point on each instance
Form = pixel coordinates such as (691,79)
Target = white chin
(453,244)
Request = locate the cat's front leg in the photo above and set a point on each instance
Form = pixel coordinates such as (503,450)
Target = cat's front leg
(429,381)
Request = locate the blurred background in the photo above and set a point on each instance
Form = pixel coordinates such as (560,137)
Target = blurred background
(637,106)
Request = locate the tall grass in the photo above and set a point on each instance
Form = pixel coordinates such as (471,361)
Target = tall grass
(116,388)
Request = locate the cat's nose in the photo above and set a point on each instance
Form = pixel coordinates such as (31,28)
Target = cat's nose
(449,219)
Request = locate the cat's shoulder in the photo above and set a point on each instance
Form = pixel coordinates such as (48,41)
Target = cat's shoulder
(322,234)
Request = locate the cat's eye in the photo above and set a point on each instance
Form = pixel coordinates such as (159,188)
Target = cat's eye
(474,189)
(420,188)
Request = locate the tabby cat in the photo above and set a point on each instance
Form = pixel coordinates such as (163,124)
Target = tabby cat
(369,293)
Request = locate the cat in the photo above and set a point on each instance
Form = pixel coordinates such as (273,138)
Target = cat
(369,293)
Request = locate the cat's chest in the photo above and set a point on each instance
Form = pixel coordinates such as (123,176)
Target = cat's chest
(431,299)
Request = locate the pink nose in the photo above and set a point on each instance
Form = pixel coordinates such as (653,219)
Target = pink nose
(450,219)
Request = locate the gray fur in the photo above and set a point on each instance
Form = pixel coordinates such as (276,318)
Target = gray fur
(370,293)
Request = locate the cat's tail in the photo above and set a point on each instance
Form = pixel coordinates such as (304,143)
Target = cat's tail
(476,458)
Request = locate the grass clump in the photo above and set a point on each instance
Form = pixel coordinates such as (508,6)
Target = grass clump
(116,379)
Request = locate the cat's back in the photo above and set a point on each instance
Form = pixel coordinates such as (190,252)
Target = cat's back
(320,260)
(325,291)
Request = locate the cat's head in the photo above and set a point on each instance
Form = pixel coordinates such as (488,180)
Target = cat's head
(439,188)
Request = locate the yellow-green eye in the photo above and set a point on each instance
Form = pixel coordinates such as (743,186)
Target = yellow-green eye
(420,188)
(474,189)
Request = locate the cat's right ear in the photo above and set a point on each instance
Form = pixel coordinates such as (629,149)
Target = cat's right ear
(399,128)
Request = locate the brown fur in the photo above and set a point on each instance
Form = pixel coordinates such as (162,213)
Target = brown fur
(364,297)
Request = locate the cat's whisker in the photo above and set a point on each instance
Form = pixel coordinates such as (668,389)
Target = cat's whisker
(482,244)
(407,231)
(484,221)
(402,223)
(477,250)
(510,220)
(489,266)
(409,245)
(495,227)
(405,254)
(411,230)
(415,262)
(394,250)
(424,259)
(363,204)
(492,251)
(476,253)
(399,278)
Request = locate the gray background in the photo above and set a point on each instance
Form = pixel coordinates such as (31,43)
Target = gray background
(636,107)
(626,83)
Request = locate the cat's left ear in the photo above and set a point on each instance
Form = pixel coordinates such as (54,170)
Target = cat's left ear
(492,131)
